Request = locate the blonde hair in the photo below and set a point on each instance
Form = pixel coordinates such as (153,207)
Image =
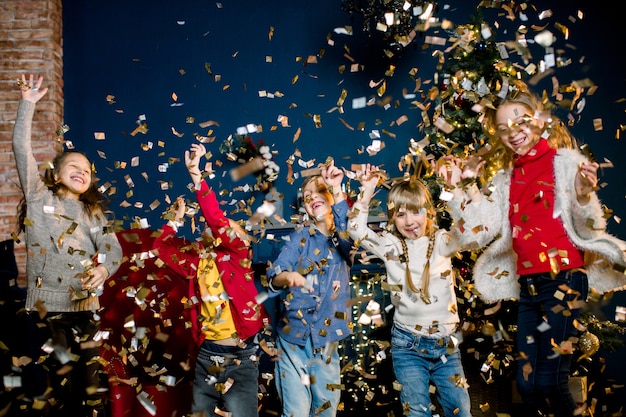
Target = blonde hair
(412,195)
(322,189)
(500,156)
(95,203)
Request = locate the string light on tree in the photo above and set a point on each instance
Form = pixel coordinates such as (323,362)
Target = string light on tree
(399,21)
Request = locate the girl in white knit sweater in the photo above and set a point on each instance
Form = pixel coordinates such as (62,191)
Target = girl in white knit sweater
(417,256)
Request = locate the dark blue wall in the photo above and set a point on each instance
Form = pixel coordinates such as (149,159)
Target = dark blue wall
(143,52)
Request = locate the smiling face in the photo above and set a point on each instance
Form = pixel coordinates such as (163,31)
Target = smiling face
(410,209)
(317,199)
(516,127)
(410,223)
(74,173)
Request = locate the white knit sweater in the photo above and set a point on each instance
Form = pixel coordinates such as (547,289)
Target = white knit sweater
(440,317)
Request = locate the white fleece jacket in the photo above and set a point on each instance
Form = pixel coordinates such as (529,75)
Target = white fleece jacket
(485,224)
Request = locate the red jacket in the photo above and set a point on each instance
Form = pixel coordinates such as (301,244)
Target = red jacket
(233,261)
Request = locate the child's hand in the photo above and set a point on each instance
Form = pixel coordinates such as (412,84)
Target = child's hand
(192,161)
(95,278)
(472,166)
(453,169)
(294,279)
(460,174)
(291,279)
(333,177)
(449,168)
(587,180)
(179,209)
(369,178)
(31,91)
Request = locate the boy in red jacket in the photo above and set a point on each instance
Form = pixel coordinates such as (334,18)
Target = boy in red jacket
(231,313)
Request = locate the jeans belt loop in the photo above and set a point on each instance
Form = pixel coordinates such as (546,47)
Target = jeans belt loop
(531,286)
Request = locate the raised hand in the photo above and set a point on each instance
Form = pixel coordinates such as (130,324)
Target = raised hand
(369,178)
(178,208)
(31,90)
(461,175)
(587,180)
(192,161)
(333,177)
(453,169)
(449,168)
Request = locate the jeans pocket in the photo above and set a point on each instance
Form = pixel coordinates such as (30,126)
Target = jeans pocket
(400,339)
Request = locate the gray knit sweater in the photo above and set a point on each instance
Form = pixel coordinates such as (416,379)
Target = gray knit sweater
(486,225)
(61,238)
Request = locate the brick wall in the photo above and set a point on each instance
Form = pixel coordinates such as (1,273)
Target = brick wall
(30,42)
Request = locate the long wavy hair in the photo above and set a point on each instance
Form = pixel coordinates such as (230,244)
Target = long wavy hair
(94,202)
(500,156)
(413,194)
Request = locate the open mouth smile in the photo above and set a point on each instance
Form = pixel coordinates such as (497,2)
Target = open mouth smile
(317,204)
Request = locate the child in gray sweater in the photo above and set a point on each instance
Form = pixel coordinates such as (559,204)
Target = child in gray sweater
(71,251)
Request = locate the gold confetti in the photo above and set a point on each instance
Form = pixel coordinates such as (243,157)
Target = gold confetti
(346,124)
(597,124)
(296,135)
(176,133)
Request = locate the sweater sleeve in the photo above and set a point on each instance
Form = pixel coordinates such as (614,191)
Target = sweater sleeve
(289,256)
(108,245)
(477,223)
(364,236)
(28,172)
(587,220)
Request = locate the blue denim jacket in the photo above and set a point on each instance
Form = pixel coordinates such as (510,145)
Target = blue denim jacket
(322,314)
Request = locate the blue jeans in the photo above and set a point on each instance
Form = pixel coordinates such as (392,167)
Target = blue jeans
(419,361)
(303,376)
(217,365)
(541,321)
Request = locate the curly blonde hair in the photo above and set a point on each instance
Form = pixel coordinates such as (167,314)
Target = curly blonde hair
(500,156)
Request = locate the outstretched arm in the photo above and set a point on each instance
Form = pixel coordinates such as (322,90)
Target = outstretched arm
(27,168)
(204,194)
(216,220)
(359,230)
